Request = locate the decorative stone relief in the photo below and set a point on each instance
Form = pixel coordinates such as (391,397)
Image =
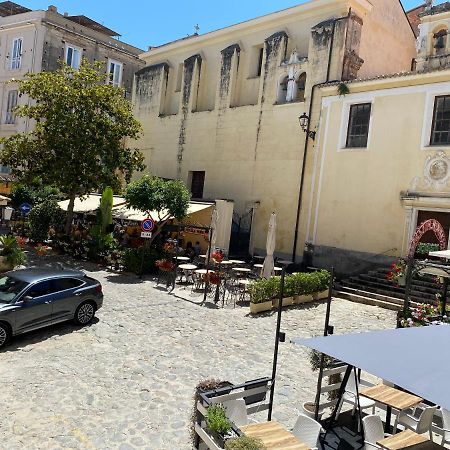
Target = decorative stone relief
(436,172)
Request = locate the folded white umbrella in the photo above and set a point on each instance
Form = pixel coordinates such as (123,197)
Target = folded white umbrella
(267,270)
(214,223)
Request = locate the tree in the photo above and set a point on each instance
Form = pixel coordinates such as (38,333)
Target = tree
(164,198)
(78,142)
(42,216)
(33,193)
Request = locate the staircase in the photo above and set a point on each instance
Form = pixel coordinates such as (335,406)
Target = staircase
(373,288)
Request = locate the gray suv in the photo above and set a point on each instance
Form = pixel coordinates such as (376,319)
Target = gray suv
(35,298)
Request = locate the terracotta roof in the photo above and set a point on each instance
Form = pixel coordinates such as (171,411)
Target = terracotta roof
(443,7)
(11,9)
(413,17)
(92,24)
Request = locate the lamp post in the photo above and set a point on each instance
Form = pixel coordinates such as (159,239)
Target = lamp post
(304,125)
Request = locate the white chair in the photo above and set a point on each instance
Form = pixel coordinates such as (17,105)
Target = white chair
(373,431)
(307,430)
(445,426)
(236,411)
(421,424)
(349,396)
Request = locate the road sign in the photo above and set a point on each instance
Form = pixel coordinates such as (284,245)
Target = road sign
(147,225)
(146,235)
(25,208)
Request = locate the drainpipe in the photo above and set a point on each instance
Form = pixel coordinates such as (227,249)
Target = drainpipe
(305,149)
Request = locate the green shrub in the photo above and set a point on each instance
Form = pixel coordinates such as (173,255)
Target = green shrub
(217,421)
(42,216)
(263,290)
(132,260)
(244,443)
(11,250)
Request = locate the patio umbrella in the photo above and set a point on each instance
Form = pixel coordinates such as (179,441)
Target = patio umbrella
(214,224)
(267,270)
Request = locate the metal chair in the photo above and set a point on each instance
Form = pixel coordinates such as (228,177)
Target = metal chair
(373,431)
(236,411)
(307,430)
(419,425)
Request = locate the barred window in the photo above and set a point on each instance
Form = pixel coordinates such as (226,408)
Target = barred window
(358,125)
(440,130)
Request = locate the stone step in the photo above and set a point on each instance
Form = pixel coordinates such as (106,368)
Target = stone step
(374,295)
(417,285)
(358,298)
(425,282)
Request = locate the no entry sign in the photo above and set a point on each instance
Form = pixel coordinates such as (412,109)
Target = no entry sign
(147,225)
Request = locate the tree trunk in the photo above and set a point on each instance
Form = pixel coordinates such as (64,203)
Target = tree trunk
(158,231)
(70,213)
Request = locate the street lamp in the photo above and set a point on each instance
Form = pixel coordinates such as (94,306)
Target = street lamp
(304,124)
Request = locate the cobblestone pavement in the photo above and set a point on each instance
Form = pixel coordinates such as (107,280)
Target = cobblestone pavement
(127,380)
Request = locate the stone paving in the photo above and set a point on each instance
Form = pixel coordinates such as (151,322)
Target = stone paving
(126,381)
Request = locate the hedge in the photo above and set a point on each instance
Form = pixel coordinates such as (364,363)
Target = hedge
(263,290)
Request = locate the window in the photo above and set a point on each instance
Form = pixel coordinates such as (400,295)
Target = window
(73,56)
(65,283)
(260,61)
(358,125)
(10,116)
(440,130)
(39,289)
(114,73)
(440,42)
(16,53)
(197,184)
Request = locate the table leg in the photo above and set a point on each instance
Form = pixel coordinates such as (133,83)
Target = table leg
(387,425)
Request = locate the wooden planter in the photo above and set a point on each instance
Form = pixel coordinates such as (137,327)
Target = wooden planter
(256,308)
(320,295)
(299,299)
(287,301)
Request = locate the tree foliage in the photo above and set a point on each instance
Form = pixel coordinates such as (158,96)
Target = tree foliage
(166,198)
(42,216)
(78,141)
(33,193)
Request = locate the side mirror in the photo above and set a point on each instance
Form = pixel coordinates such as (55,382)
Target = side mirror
(24,299)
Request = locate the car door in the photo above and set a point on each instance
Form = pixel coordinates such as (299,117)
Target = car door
(65,298)
(35,307)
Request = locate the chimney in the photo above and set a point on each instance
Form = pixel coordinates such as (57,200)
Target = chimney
(66,14)
(52,8)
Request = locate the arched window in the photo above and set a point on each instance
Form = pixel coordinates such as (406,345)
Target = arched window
(440,42)
(282,90)
(301,83)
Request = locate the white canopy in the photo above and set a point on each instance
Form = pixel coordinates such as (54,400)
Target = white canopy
(417,359)
(89,203)
(441,254)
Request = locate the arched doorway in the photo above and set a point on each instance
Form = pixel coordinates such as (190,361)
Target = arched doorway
(430,227)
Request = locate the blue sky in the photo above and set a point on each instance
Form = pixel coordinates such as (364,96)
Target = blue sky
(150,22)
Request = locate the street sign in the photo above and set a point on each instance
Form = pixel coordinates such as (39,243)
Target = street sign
(146,235)
(147,225)
(25,208)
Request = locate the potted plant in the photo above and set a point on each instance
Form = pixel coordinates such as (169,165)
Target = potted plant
(322,280)
(244,443)
(218,424)
(261,294)
(302,288)
(165,265)
(397,273)
(11,255)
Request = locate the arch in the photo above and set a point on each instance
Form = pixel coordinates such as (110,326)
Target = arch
(429,225)
(282,89)
(300,85)
(439,40)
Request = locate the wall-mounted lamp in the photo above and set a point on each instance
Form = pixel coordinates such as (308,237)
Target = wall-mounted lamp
(304,122)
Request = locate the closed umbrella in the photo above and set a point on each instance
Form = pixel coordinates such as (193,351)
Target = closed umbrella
(267,270)
(214,224)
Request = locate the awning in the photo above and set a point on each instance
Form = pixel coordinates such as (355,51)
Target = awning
(441,254)
(89,203)
(417,359)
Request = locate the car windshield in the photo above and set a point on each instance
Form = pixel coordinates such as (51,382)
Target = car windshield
(10,287)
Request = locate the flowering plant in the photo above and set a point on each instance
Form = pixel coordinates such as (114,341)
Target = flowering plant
(21,241)
(41,250)
(165,265)
(217,256)
(397,273)
(212,278)
(424,314)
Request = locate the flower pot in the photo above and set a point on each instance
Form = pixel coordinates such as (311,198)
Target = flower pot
(5,266)
(256,308)
(303,299)
(320,295)
(309,409)
(287,301)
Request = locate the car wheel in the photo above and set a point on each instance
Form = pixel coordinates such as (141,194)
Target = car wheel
(4,334)
(84,313)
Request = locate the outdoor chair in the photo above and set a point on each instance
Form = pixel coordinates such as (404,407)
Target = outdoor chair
(421,424)
(350,397)
(307,430)
(236,411)
(445,426)
(373,431)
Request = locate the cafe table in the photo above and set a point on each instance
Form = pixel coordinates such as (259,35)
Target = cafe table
(258,266)
(408,439)
(274,436)
(241,269)
(182,258)
(392,398)
(237,261)
(187,270)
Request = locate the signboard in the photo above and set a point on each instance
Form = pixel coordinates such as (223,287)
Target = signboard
(25,208)
(195,230)
(146,235)
(147,225)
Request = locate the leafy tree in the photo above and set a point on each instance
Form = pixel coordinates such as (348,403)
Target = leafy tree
(78,142)
(164,198)
(33,194)
(41,217)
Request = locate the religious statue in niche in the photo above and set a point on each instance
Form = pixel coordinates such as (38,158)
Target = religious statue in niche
(293,85)
(436,173)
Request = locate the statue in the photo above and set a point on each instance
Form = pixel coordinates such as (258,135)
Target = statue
(428,4)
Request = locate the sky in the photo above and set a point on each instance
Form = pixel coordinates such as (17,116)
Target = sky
(150,22)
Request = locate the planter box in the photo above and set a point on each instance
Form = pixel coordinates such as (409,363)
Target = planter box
(287,301)
(320,295)
(256,308)
(298,299)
